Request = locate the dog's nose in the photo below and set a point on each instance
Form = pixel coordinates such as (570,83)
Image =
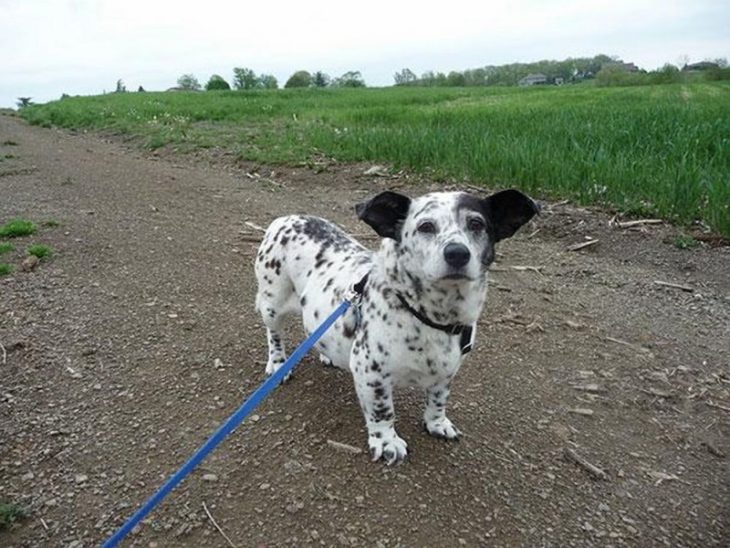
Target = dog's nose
(456,255)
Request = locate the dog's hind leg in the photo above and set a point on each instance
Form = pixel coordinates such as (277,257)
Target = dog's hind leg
(276,298)
(274,303)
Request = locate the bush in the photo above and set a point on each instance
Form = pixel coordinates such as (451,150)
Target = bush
(718,74)
(668,74)
(352,79)
(216,82)
(300,79)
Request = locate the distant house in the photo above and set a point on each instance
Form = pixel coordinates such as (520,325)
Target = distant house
(628,67)
(533,80)
(702,65)
(179,88)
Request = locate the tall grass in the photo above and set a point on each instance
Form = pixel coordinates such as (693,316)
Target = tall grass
(660,150)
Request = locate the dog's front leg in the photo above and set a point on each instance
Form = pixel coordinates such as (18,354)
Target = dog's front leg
(435,420)
(376,400)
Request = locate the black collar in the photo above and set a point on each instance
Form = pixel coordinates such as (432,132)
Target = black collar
(465,331)
(451,329)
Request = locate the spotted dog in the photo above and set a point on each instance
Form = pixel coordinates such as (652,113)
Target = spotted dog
(422,292)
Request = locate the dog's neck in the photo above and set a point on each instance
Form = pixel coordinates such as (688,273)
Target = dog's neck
(442,301)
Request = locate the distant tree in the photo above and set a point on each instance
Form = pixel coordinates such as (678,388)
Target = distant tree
(320,79)
(405,77)
(140,89)
(244,78)
(351,79)
(188,82)
(268,81)
(721,62)
(24,102)
(121,88)
(300,79)
(456,79)
(216,82)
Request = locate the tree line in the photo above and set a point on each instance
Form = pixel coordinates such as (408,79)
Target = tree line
(246,78)
(607,69)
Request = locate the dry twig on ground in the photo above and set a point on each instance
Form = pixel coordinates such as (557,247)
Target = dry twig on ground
(230,542)
(592,469)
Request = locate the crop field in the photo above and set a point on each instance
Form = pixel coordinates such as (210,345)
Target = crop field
(643,150)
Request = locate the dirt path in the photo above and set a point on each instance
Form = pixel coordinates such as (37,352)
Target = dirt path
(132,344)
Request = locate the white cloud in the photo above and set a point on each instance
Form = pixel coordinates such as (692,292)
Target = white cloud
(84,46)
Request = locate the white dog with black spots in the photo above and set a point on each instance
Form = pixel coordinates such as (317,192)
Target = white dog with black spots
(421,294)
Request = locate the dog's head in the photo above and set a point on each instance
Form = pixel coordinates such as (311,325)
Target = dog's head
(447,235)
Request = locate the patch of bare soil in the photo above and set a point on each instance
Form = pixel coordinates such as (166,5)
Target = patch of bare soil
(595,407)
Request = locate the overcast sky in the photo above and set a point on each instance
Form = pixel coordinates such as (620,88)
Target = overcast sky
(84,46)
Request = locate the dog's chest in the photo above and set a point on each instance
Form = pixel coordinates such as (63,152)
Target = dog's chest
(414,354)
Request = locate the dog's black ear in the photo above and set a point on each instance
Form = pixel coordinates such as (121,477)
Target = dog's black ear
(385,213)
(509,210)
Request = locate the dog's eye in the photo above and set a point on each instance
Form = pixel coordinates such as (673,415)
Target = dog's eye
(427,227)
(475,225)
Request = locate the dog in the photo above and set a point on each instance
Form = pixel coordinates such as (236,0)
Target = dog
(421,295)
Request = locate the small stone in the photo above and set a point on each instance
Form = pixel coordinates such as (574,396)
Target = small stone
(264,486)
(81,478)
(603,507)
(314,534)
(359,499)
(28,476)
(51,502)
(29,263)
(587,527)
(255,418)
(210,477)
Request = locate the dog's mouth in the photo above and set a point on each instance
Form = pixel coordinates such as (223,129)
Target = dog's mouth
(456,276)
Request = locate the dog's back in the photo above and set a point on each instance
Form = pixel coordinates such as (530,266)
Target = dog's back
(306,264)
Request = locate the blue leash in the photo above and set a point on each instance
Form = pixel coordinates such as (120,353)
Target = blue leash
(227,427)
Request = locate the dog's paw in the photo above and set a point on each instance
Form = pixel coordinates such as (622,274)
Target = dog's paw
(325,361)
(273,367)
(442,428)
(389,446)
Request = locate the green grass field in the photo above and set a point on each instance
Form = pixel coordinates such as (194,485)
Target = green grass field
(646,150)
